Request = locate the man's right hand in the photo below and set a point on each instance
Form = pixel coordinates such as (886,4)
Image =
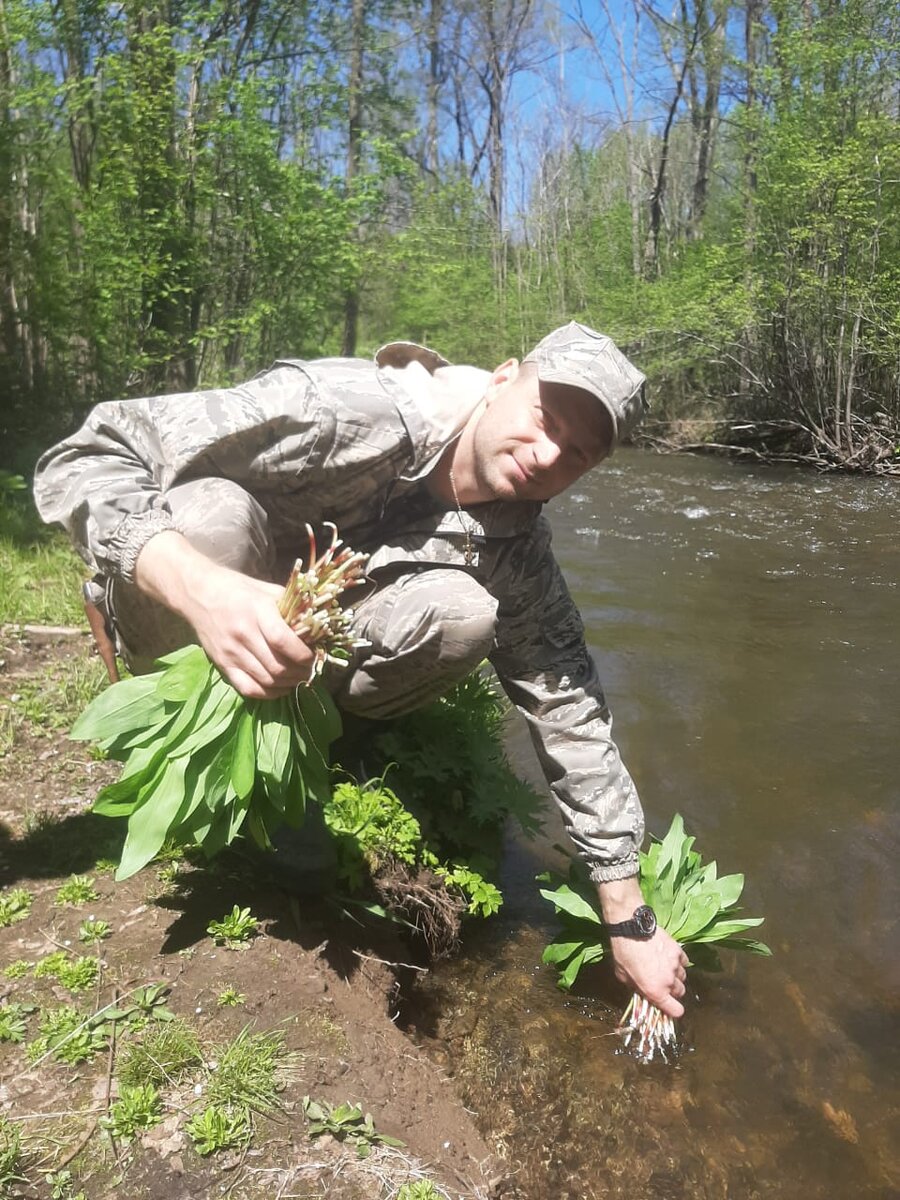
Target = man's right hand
(236,617)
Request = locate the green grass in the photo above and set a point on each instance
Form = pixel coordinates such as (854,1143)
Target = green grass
(41,574)
(249,1071)
(162,1055)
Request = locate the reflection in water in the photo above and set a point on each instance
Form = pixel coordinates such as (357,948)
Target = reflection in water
(745,623)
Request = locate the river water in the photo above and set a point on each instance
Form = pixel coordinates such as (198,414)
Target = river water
(747,627)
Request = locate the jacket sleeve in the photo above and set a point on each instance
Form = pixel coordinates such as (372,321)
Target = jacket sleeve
(105,482)
(544,666)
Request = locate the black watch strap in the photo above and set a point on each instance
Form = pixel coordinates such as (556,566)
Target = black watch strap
(641,926)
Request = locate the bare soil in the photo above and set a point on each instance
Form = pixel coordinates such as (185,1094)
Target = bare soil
(331,985)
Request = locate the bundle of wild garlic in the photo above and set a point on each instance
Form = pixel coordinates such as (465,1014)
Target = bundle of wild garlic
(691,903)
(201,762)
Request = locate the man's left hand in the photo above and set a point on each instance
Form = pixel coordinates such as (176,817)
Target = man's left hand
(655,968)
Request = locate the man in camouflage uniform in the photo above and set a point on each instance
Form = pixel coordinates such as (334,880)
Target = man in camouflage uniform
(190,508)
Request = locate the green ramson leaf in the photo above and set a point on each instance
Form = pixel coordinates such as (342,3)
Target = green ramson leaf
(125,707)
(570,971)
(560,952)
(749,944)
(717,931)
(729,889)
(243,755)
(148,826)
(319,713)
(697,917)
(119,799)
(570,902)
(190,673)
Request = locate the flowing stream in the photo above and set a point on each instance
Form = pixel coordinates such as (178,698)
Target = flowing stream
(746,625)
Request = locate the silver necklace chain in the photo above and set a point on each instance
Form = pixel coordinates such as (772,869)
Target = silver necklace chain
(469,548)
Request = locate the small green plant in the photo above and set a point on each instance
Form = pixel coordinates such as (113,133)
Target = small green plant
(15,905)
(67,1035)
(74,974)
(105,866)
(144,1004)
(347,1123)
(484,898)
(230,997)
(137,1109)
(62,1185)
(219,1128)
(162,1055)
(235,929)
(78,889)
(422,1189)
(93,931)
(17,968)
(168,873)
(12,1156)
(13,1023)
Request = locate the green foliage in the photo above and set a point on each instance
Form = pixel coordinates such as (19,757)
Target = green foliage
(422,1189)
(67,1035)
(12,1156)
(219,1128)
(691,903)
(41,574)
(93,931)
(13,1020)
(230,997)
(202,763)
(484,898)
(250,1071)
(74,974)
(370,825)
(137,1109)
(78,889)
(235,929)
(347,1123)
(162,1054)
(17,969)
(15,905)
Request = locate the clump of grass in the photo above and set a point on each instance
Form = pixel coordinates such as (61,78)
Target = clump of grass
(163,1055)
(250,1071)
(137,1109)
(78,889)
(15,905)
(12,1156)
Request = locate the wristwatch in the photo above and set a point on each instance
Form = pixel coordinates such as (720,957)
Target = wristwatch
(641,926)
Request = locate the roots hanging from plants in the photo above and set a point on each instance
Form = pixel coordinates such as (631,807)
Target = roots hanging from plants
(422,898)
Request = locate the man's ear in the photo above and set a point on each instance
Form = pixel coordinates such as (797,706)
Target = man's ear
(506,373)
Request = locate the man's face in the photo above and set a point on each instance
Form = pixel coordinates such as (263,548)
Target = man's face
(532,441)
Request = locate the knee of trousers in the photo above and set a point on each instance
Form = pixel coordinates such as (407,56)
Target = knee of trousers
(224,522)
(443,616)
(425,631)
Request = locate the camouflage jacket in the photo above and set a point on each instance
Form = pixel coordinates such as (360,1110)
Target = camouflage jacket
(341,440)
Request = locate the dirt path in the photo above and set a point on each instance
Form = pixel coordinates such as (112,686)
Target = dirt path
(317,981)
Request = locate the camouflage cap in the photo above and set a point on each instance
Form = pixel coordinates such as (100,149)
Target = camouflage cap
(582,358)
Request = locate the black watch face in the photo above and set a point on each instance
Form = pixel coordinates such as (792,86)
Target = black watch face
(645,919)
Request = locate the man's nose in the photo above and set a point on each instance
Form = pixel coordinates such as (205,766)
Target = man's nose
(546,452)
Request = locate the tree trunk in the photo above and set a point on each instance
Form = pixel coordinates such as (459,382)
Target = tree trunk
(354,152)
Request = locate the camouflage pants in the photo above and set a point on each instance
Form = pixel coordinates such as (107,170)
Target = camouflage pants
(427,627)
